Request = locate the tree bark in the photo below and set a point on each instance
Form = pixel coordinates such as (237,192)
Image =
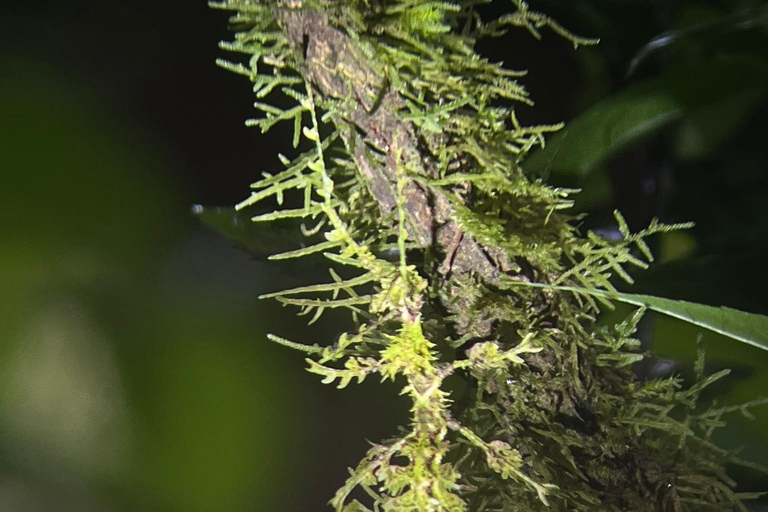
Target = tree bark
(338,68)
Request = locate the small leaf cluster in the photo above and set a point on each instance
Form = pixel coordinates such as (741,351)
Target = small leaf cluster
(403,124)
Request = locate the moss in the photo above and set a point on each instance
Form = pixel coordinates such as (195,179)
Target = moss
(416,152)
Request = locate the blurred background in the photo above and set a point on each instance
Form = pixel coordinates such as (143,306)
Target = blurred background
(135,373)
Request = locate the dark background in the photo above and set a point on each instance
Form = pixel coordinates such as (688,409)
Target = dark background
(135,373)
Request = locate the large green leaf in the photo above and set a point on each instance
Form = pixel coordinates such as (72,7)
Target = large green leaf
(641,110)
(742,326)
(745,327)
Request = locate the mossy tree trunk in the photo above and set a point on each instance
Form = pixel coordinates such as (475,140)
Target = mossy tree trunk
(415,151)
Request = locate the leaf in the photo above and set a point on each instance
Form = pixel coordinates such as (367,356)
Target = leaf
(706,129)
(715,275)
(746,327)
(729,29)
(274,240)
(260,239)
(641,110)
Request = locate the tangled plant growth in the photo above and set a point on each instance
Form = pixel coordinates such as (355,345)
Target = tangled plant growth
(453,262)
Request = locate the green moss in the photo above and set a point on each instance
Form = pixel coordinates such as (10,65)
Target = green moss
(416,151)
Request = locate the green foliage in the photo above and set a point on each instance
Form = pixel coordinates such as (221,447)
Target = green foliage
(411,148)
(648,107)
(746,327)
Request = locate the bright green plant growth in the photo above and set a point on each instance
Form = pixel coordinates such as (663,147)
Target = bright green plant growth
(452,262)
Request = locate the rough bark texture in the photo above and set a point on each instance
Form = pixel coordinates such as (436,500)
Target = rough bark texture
(338,69)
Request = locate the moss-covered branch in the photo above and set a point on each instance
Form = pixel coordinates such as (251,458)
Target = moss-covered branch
(415,150)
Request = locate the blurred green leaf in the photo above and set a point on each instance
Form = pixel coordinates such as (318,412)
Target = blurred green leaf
(705,130)
(260,239)
(78,178)
(713,32)
(216,426)
(641,110)
(264,239)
